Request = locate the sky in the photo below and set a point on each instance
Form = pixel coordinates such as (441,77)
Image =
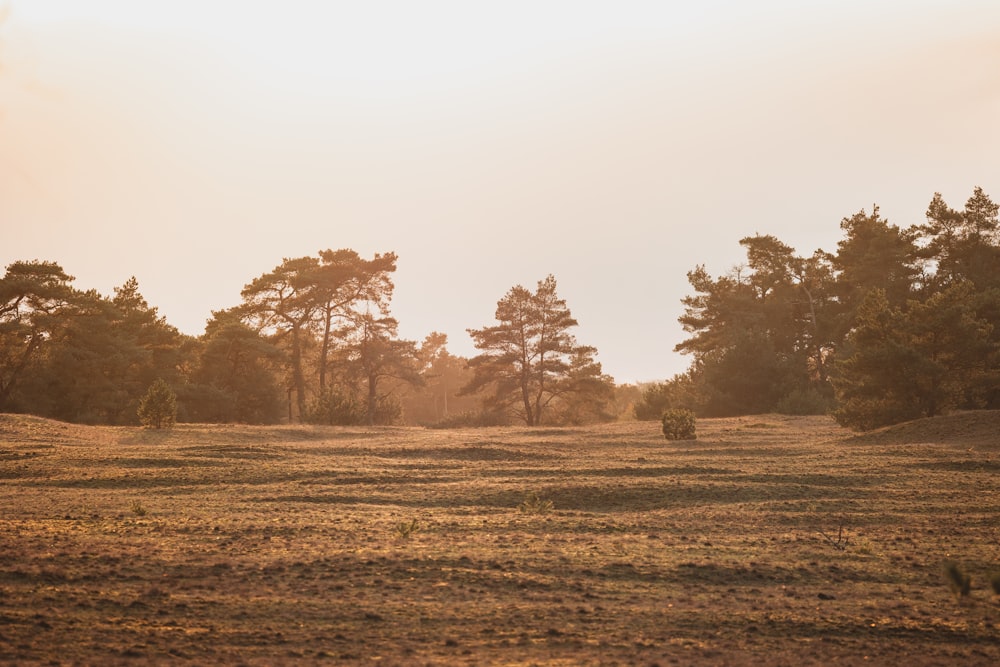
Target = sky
(194,144)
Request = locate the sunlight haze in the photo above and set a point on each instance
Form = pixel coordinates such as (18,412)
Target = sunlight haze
(614,145)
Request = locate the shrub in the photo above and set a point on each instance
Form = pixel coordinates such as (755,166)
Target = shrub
(335,408)
(678,425)
(344,408)
(158,408)
(483,419)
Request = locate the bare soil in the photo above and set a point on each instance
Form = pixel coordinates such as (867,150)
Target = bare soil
(772,539)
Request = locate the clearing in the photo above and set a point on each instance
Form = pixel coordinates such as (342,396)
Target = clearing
(785,539)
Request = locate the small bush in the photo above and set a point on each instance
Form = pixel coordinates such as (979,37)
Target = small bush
(158,408)
(678,425)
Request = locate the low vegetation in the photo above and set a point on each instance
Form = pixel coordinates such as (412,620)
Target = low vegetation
(679,424)
(783,540)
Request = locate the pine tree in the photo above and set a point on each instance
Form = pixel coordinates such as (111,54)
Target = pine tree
(158,408)
(908,363)
(529,359)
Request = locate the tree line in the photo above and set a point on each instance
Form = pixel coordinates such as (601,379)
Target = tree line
(312,340)
(896,324)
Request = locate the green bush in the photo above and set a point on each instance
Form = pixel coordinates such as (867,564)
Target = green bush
(158,408)
(678,425)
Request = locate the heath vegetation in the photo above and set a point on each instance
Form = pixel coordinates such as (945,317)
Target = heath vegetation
(776,539)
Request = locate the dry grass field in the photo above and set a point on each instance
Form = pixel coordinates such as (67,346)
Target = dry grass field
(769,539)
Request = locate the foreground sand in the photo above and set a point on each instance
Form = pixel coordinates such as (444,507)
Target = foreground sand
(770,539)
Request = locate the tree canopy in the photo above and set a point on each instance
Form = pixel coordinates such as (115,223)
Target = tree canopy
(894,323)
(898,323)
(305,302)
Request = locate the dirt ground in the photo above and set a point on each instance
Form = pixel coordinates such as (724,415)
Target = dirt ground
(773,539)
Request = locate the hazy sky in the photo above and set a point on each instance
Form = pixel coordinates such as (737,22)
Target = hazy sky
(195,143)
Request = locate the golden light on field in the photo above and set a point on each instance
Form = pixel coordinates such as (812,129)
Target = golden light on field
(769,539)
(195,144)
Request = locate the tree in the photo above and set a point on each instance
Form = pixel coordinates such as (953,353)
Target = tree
(234,379)
(593,395)
(308,301)
(36,300)
(914,362)
(376,357)
(345,283)
(962,245)
(795,298)
(529,358)
(907,320)
(444,374)
(750,376)
(759,333)
(283,303)
(155,347)
(87,372)
(872,255)
(100,359)
(158,408)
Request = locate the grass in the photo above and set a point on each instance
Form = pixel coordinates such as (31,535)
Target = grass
(769,538)
(406,529)
(535,505)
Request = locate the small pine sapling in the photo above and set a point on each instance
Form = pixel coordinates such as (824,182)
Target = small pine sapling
(158,408)
(678,425)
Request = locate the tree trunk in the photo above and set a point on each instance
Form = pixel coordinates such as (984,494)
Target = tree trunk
(298,378)
(372,398)
(817,348)
(8,388)
(529,415)
(324,349)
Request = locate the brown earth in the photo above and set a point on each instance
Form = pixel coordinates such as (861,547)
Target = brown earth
(769,539)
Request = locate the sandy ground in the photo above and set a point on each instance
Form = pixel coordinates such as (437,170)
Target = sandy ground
(769,539)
